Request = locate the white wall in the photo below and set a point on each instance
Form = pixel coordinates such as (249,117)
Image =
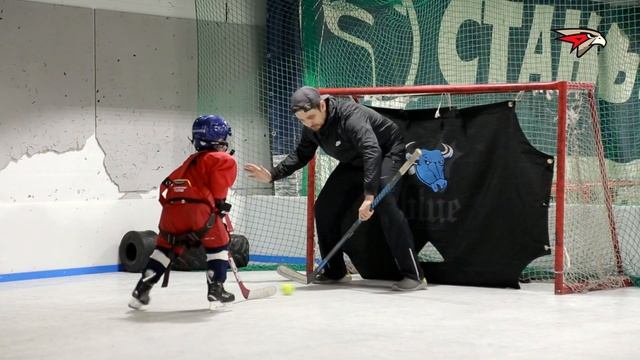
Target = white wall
(97,107)
(62,211)
(146,95)
(173,8)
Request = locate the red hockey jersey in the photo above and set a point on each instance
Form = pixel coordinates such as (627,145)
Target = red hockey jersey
(188,194)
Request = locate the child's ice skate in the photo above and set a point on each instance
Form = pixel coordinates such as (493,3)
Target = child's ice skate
(140,296)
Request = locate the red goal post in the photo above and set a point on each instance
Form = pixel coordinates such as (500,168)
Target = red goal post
(567,275)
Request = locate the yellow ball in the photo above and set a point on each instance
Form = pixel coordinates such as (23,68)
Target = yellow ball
(287,288)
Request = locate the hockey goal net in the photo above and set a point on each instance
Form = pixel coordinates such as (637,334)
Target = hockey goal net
(593,215)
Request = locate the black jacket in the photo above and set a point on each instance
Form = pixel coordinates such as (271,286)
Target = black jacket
(352,133)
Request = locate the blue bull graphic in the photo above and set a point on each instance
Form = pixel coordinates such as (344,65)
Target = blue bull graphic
(430,167)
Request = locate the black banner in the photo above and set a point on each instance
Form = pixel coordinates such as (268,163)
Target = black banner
(479,193)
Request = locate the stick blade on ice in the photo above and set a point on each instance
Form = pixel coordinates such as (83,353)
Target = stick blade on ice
(261,293)
(250,294)
(291,274)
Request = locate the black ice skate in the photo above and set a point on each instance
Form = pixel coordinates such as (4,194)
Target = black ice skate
(218,293)
(140,295)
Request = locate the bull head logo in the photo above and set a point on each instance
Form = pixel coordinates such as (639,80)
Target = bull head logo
(430,166)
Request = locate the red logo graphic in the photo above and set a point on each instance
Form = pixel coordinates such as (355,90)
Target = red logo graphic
(581,39)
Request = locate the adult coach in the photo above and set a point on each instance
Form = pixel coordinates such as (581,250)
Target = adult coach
(370,150)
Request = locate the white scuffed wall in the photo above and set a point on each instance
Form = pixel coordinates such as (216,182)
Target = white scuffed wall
(97,107)
(61,211)
(173,8)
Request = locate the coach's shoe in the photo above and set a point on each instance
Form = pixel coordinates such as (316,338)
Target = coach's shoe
(408,284)
(324,279)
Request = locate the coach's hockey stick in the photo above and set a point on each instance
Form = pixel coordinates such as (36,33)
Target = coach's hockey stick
(248,293)
(288,273)
(301,278)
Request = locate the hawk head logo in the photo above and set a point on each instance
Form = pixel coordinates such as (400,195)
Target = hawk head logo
(581,39)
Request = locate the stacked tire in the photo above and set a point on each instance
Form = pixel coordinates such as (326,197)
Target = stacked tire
(136,247)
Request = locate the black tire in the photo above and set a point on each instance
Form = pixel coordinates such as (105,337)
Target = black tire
(239,249)
(135,249)
(195,259)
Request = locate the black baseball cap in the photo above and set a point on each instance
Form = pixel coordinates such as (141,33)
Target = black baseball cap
(305,98)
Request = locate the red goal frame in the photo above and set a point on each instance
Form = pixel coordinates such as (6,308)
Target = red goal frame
(560,186)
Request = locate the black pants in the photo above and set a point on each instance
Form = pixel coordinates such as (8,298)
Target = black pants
(344,187)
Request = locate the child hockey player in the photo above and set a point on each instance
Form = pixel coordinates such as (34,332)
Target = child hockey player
(194,210)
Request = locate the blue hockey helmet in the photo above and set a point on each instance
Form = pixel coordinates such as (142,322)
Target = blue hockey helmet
(210,132)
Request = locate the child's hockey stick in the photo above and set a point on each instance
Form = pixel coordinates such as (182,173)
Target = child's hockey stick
(248,293)
(297,277)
